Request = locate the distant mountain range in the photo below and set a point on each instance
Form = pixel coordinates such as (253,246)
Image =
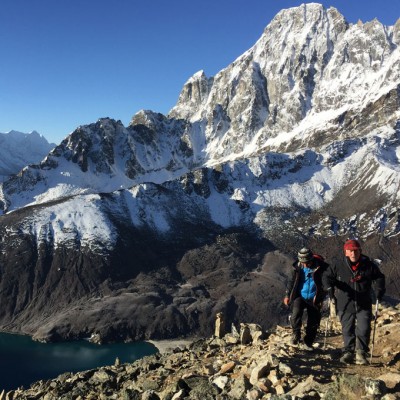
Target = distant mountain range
(18,150)
(155,227)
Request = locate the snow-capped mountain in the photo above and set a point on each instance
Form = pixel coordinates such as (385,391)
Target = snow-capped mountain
(309,74)
(19,149)
(173,217)
(310,79)
(103,157)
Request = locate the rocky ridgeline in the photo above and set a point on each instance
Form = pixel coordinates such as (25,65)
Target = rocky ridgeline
(249,364)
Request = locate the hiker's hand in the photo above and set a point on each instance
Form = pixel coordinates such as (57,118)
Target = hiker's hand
(331,292)
(286,301)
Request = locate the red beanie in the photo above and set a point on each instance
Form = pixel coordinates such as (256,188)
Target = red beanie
(352,245)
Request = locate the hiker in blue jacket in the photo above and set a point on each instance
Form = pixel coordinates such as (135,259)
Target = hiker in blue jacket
(304,292)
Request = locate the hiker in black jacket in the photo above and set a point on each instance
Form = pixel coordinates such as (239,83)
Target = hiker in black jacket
(304,292)
(349,284)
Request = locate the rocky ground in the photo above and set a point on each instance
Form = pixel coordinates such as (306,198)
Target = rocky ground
(249,364)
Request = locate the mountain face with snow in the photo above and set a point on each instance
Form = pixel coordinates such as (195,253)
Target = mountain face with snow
(19,149)
(103,157)
(155,227)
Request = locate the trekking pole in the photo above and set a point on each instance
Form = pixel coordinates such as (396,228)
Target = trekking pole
(327,322)
(373,333)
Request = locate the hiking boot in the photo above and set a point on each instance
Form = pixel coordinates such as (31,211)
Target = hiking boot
(306,347)
(361,359)
(347,357)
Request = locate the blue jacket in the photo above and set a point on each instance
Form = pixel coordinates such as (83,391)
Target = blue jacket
(307,282)
(307,286)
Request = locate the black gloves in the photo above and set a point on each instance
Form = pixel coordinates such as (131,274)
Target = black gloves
(331,294)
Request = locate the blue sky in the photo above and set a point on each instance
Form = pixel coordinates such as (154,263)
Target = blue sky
(66,63)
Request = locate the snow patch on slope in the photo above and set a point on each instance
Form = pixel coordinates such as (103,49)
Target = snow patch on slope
(80,221)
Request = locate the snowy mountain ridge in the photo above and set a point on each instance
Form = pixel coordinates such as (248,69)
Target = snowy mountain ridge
(19,149)
(237,194)
(305,80)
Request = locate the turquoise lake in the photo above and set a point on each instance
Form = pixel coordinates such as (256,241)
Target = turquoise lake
(24,361)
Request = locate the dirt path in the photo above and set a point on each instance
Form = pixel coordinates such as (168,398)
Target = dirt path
(325,363)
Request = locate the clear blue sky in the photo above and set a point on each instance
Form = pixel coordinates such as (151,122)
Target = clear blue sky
(66,63)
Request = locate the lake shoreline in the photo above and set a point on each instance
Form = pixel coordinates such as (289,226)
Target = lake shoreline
(25,361)
(167,345)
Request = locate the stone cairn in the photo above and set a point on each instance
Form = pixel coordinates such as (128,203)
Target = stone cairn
(241,364)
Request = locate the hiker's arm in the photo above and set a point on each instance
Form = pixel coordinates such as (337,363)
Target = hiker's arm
(328,283)
(289,288)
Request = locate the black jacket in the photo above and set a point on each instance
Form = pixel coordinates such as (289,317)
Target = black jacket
(292,287)
(353,289)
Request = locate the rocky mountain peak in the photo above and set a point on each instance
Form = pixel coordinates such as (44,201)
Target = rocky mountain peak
(147,118)
(194,93)
(308,64)
(83,143)
(308,15)
(306,32)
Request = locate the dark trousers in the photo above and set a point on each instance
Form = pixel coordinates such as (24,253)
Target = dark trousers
(313,320)
(356,330)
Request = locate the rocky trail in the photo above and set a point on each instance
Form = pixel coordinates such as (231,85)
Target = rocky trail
(242,364)
(385,352)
